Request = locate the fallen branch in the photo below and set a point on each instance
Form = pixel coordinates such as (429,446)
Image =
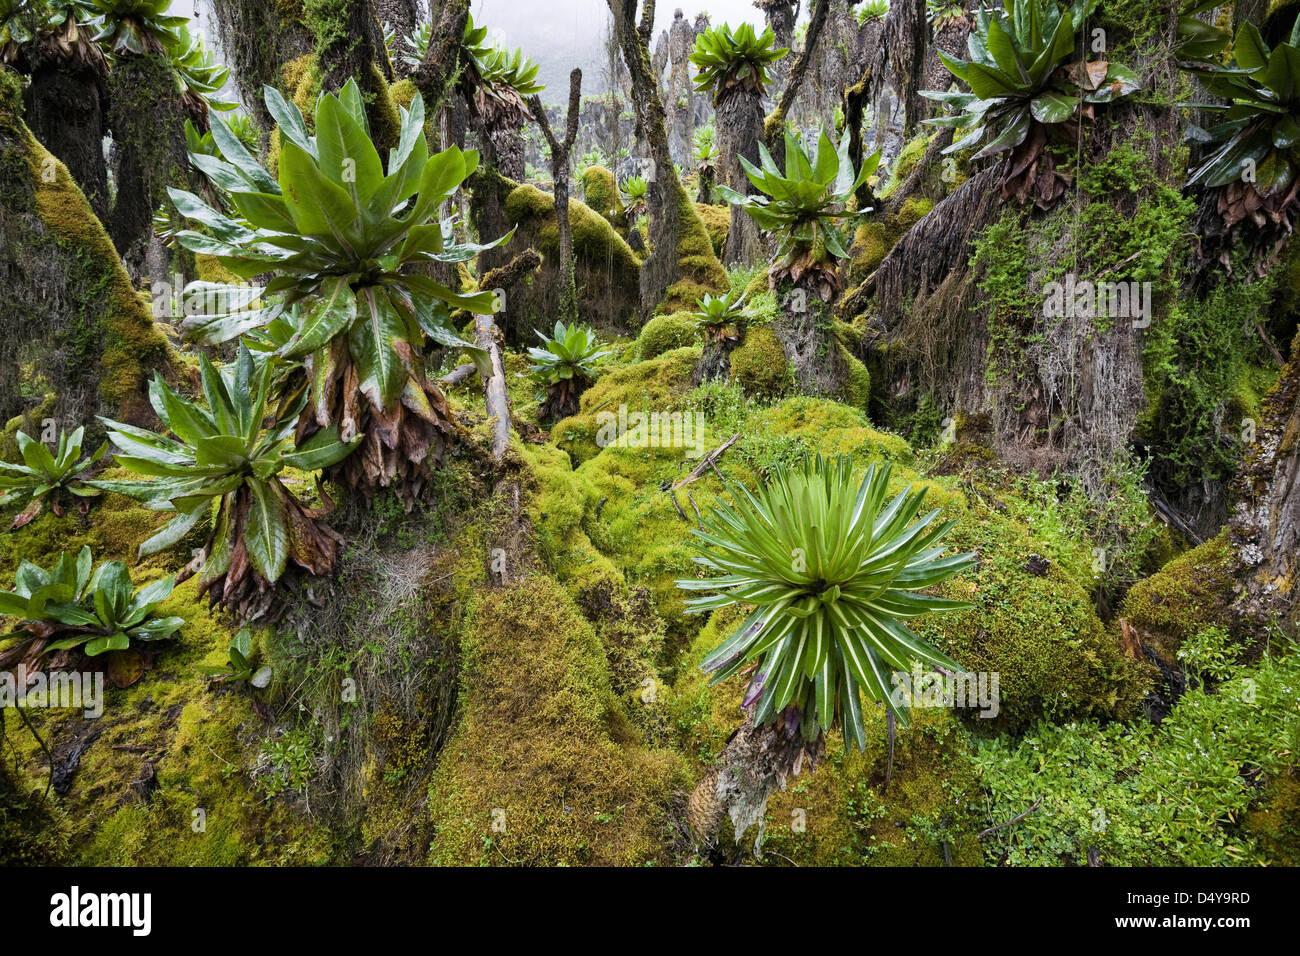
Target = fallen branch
(494,386)
(457,375)
(1012,822)
(709,461)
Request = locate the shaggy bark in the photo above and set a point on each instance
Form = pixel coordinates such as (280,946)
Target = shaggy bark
(1266,523)
(806,330)
(561,150)
(403,16)
(740,130)
(756,762)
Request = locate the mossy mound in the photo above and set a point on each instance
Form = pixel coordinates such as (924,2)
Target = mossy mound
(608,271)
(654,385)
(1034,625)
(600,193)
(1190,593)
(663,333)
(700,269)
(545,767)
(759,365)
(717,220)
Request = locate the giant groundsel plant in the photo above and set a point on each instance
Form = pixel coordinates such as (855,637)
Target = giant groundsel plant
(343,239)
(832,571)
(221,468)
(1252,156)
(1028,89)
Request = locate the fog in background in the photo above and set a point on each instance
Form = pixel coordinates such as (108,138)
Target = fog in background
(562,34)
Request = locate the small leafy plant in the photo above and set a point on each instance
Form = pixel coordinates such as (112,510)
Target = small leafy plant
(566,365)
(805,208)
(222,466)
(239,666)
(1028,91)
(70,607)
(47,474)
(721,317)
(634,192)
(831,572)
(135,27)
(199,77)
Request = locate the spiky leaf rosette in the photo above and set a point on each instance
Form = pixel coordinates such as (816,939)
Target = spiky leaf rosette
(721,317)
(736,60)
(805,208)
(222,466)
(566,365)
(1028,90)
(634,193)
(47,474)
(199,77)
(135,27)
(832,571)
(344,241)
(69,607)
(1254,154)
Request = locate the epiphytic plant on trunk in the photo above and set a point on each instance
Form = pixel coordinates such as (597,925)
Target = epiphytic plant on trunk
(806,208)
(222,466)
(343,239)
(1028,91)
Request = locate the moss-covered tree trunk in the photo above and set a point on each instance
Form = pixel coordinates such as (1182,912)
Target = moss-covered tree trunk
(350,46)
(259,40)
(402,16)
(740,130)
(64,106)
(149,151)
(1266,526)
(76,340)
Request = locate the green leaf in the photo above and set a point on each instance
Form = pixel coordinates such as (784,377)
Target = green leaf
(267,535)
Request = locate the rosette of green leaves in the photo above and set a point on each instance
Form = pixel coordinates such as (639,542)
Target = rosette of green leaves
(831,570)
(70,606)
(1022,71)
(343,239)
(47,474)
(222,465)
(806,207)
(135,27)
(571,352)
(199,77)
(730,60)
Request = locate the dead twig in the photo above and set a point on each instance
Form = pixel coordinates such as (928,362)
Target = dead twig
(1012,822)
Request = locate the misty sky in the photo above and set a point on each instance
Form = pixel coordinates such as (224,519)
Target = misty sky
(562,34)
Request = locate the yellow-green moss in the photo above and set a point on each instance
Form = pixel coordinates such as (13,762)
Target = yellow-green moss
(759,366)
(717,220)
(655,385)
(600,191)
(1190,593)
(857,386)
(663,333)
(544,752)
(594,238)
(130,346)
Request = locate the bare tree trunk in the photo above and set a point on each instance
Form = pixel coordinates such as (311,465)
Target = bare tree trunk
(560,154)
(661,268)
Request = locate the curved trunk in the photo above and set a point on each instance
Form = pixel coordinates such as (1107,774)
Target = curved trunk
(64,107)
(740,130)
